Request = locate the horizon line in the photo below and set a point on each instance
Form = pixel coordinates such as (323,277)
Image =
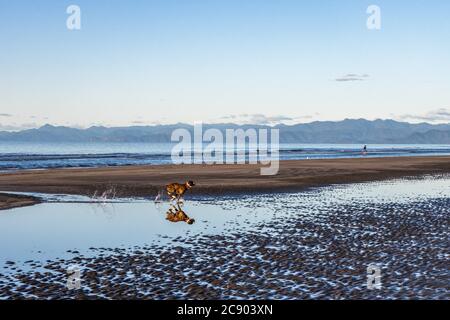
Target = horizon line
(217,123)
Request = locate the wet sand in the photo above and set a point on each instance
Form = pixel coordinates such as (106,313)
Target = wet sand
(294,175)
(9,201)
(320,256)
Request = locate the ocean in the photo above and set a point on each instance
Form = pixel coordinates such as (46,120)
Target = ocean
(20,155)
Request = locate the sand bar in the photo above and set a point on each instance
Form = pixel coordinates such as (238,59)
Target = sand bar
(293,175)
(9,201)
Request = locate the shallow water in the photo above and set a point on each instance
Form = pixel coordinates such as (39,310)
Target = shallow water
(22,155)
(48,230)
(385,221)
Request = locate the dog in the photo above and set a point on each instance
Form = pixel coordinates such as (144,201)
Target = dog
(175,214)
(176,190)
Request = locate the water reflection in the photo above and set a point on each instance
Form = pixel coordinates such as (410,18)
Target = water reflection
(46,231)
(176,214)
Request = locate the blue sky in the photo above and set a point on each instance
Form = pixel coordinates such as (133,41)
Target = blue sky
(146,62)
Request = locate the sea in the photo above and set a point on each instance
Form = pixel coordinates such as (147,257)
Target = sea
(25,155)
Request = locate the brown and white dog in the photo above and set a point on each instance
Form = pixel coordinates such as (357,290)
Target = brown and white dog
(176,190)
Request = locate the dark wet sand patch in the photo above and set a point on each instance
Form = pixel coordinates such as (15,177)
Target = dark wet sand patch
(324,256)
(9,201)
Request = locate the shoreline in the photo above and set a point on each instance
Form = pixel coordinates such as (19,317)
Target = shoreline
(213,180)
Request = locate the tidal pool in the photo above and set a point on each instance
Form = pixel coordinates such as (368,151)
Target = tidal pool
(312,244)
(48,230)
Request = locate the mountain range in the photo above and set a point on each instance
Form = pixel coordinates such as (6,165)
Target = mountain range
(345,131)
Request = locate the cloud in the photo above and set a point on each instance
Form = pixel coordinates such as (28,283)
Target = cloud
(261,119)
(18,127)
(147,123)
(255,119)
(5,115)
(442,115)
(352,77)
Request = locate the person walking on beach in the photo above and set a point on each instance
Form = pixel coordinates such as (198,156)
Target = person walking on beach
(364,151)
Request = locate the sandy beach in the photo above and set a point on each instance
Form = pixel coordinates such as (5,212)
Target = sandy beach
(219,179)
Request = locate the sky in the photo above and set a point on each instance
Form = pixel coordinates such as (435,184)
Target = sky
(243,61)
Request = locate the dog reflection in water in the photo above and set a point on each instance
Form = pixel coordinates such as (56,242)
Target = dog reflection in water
(176,214)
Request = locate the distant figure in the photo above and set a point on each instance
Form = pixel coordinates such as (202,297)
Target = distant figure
(364,150)
(175,214)
(176,190)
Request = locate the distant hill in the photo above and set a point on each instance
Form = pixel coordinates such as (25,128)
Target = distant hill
(364,131)
(431,136)
(346,131)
